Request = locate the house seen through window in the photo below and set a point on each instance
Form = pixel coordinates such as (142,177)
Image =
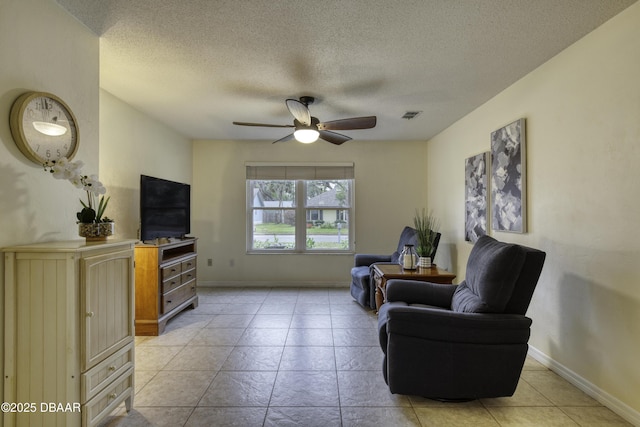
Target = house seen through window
(299,215)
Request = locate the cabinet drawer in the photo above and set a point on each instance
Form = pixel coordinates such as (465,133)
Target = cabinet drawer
(108,399)
(171,271)
(189,264)
(188,276)
(98,377)
(178,296)
(171,284)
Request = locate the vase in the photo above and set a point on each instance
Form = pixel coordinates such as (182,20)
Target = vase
(424,262)
(96,231)
(408,258)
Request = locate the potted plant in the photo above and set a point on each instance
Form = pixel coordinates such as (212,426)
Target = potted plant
(426,226)
(92,224)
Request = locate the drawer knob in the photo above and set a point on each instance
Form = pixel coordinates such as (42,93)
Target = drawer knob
(90,314)
(112,395)
(112,368)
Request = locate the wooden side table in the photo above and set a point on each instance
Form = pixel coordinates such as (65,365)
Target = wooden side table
(384,272)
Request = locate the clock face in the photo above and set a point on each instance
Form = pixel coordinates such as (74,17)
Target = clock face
(43,127)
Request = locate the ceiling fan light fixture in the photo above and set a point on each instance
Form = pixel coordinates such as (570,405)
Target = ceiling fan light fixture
(308,129)
(306,136)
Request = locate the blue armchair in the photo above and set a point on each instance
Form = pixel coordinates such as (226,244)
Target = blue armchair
(361,289)
(467,341)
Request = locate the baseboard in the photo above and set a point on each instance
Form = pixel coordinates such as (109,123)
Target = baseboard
(269,284)
(611,402)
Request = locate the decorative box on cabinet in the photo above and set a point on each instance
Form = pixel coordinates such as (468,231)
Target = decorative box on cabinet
(165,283)
(69,334)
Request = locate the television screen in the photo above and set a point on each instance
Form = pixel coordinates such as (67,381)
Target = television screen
(165,208)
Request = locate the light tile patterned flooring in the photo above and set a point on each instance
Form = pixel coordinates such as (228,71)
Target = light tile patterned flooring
(310,357)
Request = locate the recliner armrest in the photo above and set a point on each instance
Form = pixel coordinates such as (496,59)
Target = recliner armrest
(416,292)
(445,325)
(362,260)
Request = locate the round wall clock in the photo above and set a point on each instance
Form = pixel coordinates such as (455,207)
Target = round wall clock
(43,127)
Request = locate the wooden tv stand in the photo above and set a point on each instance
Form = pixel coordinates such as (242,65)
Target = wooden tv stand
(165,283)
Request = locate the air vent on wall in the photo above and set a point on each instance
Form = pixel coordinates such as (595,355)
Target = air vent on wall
(411,114)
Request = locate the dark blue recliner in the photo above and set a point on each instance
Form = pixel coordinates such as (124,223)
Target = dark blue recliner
(467,341)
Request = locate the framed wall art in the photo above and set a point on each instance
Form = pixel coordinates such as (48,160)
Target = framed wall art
(508,178)
(476,196)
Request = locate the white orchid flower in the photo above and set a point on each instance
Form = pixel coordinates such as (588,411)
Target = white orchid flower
(62,168)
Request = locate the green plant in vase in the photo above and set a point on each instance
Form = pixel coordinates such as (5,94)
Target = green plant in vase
(93,224)
(427,227)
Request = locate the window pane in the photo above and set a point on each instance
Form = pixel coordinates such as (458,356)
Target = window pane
(328,193)
(274,229)
(321,209)
(330,231)
(273,194)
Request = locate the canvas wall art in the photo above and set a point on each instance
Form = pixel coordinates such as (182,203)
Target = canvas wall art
(476,194)
(508,178)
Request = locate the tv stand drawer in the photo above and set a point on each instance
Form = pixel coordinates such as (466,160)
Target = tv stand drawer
(172,270)
(176,297)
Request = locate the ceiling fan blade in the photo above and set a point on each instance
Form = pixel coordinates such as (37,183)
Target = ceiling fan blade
(299,111)
(334,138)
(349,124)
(262,125)
(286,138)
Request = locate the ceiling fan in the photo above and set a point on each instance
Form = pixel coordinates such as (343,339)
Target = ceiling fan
(308,129)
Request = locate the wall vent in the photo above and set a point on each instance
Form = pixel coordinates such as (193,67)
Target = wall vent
(411,114)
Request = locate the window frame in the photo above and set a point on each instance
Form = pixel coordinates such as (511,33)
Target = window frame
(301,209)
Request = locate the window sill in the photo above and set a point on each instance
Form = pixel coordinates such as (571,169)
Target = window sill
(293,252)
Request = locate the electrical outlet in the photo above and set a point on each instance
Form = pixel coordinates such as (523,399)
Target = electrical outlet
(209,262)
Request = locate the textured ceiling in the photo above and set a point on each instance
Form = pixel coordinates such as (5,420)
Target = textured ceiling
(198,65)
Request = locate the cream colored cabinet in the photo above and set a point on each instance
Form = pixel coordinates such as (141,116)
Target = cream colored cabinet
(69,332)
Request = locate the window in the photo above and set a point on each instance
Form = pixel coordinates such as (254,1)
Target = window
(314,215)
(299,208)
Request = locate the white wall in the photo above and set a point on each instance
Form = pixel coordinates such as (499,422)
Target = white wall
(131,143)
(583,147)
(390,182)
(33,205)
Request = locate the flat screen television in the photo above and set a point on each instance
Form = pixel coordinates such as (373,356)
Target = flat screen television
(165,208)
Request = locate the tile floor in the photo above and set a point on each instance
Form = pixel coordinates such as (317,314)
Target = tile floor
(310,357)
